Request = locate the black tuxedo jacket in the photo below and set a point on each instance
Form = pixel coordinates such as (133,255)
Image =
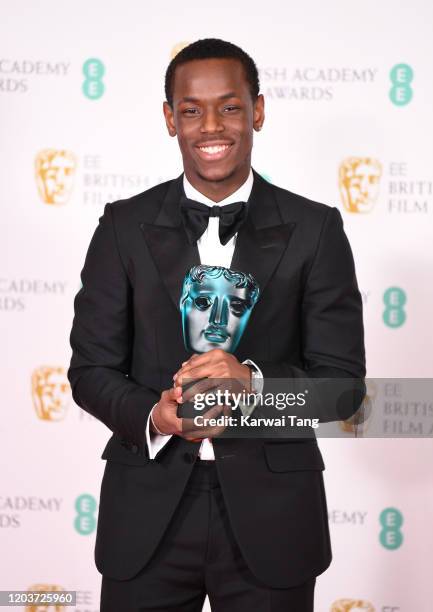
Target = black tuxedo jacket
(127,343)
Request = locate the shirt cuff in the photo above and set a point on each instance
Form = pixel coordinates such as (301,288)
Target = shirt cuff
(257,381)
(155,442)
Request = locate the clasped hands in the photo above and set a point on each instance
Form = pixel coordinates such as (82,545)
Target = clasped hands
(203,368)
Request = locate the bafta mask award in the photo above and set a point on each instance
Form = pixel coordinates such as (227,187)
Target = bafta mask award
(216,304)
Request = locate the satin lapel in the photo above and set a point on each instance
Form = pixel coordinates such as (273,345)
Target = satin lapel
(167,242)
(261,242)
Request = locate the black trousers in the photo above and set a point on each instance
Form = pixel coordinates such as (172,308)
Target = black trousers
(197,556)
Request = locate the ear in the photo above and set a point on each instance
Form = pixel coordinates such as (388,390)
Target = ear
(259,112)
(169,118)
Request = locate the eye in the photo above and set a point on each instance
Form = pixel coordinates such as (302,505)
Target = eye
(231,108)
(190,111)
(238,307)
(202,302)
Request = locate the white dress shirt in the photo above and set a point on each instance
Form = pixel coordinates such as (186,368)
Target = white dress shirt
(212,253)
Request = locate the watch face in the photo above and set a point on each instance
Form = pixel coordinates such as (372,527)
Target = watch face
(216,304)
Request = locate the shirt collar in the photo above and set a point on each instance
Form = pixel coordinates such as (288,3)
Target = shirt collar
(240,195)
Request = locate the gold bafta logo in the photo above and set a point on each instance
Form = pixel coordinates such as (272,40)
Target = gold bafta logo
(45,607)
(51,392)
(178,47)
(55,170)
(359,181)
(358,423)
(352,605)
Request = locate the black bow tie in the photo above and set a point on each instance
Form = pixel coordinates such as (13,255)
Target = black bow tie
(195,218)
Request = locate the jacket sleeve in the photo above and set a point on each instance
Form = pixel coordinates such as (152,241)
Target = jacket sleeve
(101,341)
(332,327)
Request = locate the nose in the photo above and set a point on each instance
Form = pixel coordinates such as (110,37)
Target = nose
(219,312)
(211,122)
(365,186)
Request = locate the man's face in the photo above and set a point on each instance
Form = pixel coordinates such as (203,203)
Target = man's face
(213,117)
(215,315)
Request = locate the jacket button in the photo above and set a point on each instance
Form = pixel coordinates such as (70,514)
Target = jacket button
(189,457)
(134,449)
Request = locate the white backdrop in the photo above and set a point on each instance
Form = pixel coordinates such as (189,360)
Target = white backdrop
(341,81)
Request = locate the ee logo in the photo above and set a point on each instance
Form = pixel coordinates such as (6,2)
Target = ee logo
(394,314)
(390,536)
(401,76)
(85,521)
(93,86)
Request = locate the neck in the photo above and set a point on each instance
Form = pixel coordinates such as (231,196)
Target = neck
(217,190)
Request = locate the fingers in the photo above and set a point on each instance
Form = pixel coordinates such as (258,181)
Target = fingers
(201,386)
(200,360)
(192,371)
(173,395)
(191,430)
(166,419)
(190,360)
(213,364)
(208,370)
(165,412)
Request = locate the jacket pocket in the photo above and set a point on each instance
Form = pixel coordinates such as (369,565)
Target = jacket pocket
(293,456)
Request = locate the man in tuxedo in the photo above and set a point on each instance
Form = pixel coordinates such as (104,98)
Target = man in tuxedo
(185,513)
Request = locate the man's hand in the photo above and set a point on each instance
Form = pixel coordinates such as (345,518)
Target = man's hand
(165,420)
(214,364)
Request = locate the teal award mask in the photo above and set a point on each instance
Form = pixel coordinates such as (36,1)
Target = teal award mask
(216,303)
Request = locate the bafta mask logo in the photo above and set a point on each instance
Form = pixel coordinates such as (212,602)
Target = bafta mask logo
(52,607)
(359,181)
(55,170)
(352,605)
(51,393)
(178,47)
(216,304)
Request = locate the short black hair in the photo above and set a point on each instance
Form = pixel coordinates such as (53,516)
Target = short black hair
(211,48)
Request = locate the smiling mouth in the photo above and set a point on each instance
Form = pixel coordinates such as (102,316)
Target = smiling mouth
(214,152)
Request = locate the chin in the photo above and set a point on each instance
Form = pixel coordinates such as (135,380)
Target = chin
(215,175)
(205,347)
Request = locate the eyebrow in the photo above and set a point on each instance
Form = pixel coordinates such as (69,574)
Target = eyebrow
(230,94)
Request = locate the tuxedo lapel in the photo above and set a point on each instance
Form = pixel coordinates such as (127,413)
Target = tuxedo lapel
(168,244)
(262,240)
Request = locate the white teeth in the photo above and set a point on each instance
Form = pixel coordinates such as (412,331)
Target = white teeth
(215,149)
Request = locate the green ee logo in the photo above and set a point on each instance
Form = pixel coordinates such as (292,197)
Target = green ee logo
(93,70)
(394,299)
(85,521)
(390,536)
(401,76)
